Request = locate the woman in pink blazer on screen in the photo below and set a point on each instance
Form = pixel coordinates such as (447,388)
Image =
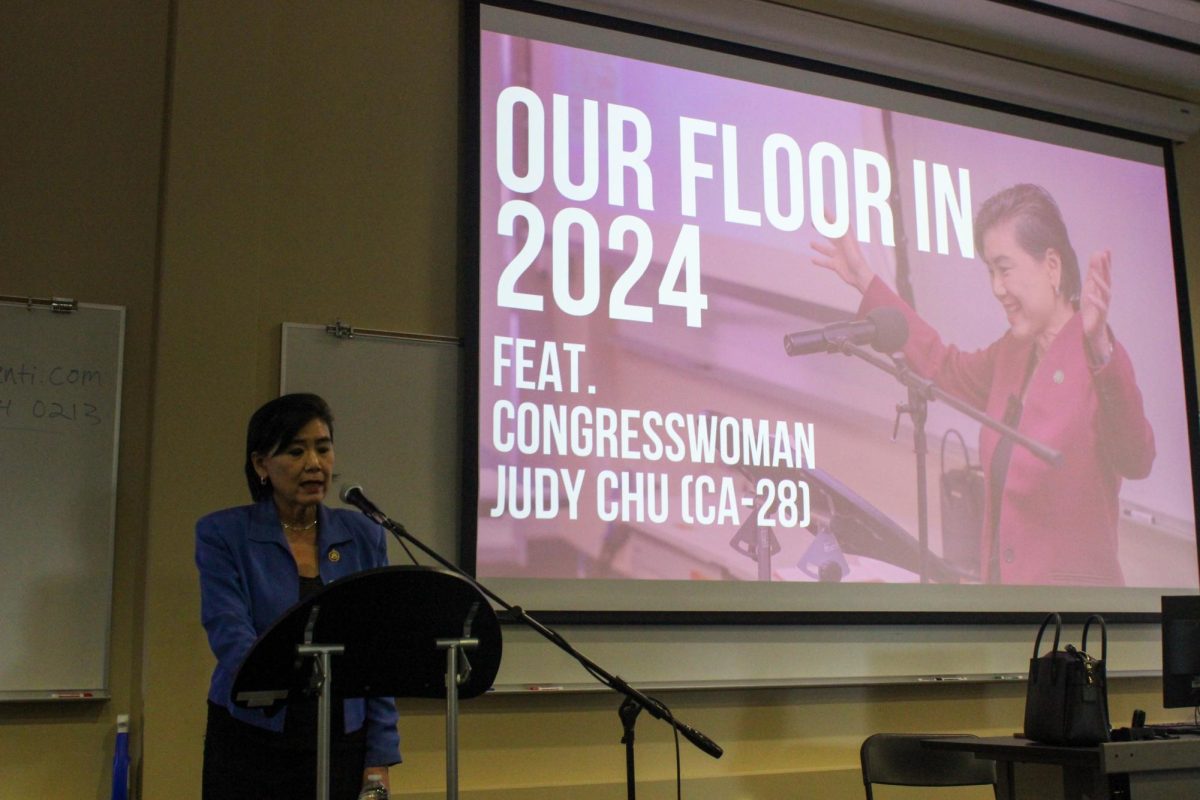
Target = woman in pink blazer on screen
(1058,375)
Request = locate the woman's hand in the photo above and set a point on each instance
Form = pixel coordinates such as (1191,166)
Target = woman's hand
(843,256)
(1093,305)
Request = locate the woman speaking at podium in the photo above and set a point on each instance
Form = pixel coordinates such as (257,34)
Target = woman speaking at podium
(1058,375)
(255,562)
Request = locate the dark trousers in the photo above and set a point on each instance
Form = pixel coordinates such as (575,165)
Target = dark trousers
(243,762)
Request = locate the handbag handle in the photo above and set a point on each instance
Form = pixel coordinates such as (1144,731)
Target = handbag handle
(962,442)
(1056,618)
(1103,636)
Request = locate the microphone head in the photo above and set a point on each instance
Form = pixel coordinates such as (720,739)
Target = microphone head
(349,493)
(891,329)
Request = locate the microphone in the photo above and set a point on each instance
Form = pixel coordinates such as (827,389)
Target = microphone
(884,329)
(707,745)
(657,709)
(353,495)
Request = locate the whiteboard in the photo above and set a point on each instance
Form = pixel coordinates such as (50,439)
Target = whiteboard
(397,432)
(60,390)
(396,421)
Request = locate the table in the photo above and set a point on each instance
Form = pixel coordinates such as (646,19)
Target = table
(1157,769)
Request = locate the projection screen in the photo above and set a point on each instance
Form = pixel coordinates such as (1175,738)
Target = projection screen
(658,217)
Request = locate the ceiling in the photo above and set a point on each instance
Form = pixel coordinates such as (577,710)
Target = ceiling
(1153,45)
(1178,19)
(1130,64)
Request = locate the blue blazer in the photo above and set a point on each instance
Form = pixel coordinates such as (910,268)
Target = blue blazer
(248,579)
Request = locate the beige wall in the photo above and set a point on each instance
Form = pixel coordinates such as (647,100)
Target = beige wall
(81,88)
(310,175)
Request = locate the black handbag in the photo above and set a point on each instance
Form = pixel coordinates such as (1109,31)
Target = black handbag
(961,496)
(1066,698)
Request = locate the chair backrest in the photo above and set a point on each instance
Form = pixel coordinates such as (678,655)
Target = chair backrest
(899,759)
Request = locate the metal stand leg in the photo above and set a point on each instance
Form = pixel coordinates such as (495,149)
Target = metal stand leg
(628,713)
(763,542)
(917,408)
(321,656)
(453,679)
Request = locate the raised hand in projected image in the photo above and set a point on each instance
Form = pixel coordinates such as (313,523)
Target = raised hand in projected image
(844,257)
(1093,306)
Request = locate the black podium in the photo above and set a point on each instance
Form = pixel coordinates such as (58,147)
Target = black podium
(397,632)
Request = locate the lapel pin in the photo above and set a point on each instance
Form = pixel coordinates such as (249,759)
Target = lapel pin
(335,556)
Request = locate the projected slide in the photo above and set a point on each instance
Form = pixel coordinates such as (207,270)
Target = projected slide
(651,230)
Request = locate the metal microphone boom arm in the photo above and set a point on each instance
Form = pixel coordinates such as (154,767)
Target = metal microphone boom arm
(655,708)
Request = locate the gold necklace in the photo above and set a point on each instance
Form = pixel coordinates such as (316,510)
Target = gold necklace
(307,527)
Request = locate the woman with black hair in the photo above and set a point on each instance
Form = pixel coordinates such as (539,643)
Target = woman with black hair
(1058,374)
(255,562)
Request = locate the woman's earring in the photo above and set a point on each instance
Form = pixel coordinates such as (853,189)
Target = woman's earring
(263,478)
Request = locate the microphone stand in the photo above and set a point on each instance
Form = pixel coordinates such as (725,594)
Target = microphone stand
(628,713)
(920,392)
(917,409)
(634,699)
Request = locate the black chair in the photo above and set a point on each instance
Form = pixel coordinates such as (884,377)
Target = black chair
(899,759)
